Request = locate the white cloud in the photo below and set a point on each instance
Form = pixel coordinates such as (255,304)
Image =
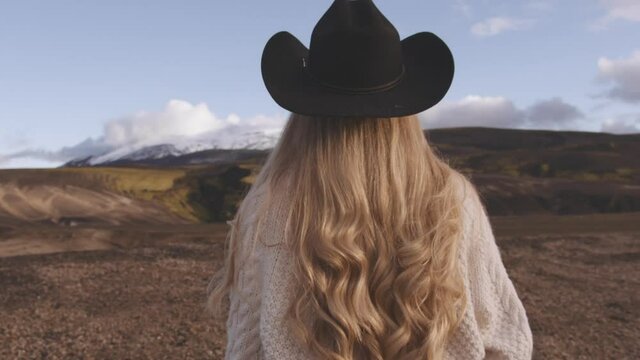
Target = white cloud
(500,112)
(627,124)
(180,123)
(84,149)
(496,25)
(463,7)
(618,10)
(475,110)
(179,118)
(24,163)
(625,76)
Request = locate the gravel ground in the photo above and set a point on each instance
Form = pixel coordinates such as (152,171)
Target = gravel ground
(581,292)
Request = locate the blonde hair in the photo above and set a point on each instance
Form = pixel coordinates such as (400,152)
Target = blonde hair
(373,225)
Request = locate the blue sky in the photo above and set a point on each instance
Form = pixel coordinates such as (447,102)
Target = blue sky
(78,77)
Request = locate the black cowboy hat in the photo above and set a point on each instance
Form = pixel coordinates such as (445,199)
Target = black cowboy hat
(357,66)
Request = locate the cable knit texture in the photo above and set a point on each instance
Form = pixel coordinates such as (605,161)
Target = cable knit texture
(494,326)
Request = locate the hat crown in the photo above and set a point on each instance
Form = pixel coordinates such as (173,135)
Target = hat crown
(354,47)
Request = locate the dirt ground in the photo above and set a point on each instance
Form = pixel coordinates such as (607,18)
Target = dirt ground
(140,293)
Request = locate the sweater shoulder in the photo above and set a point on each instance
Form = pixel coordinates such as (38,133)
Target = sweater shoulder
(473,212)
(468,194)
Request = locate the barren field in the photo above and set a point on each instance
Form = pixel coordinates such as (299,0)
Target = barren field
(137,291)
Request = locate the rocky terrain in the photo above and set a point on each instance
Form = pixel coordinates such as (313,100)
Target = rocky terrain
(142,295)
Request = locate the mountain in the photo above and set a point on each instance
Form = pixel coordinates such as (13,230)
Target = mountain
(536,153)
(203,157)
(153,152)
(517,172)
(210,151)
(79,162)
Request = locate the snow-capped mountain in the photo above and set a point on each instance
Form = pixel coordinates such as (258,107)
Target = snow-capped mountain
(153,152)
(256,140)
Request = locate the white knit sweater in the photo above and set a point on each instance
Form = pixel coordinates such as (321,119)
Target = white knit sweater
(495,325)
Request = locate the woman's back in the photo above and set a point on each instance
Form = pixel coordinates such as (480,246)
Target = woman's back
(494,324)
(356,240)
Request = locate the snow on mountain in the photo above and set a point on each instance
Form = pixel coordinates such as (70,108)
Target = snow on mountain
(232,138)
(153,152)
(256,140)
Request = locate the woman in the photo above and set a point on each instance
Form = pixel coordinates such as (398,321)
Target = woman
(356,241)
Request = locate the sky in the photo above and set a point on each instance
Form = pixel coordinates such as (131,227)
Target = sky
(84,77)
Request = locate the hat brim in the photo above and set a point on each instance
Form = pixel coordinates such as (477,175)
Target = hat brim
(429,69)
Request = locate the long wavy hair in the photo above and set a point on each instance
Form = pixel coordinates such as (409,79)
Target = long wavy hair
(373,226)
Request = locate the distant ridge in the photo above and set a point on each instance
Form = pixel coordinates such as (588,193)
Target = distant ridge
(169,154)
(499,138)
(517,172)
(449,141)
(203,157)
